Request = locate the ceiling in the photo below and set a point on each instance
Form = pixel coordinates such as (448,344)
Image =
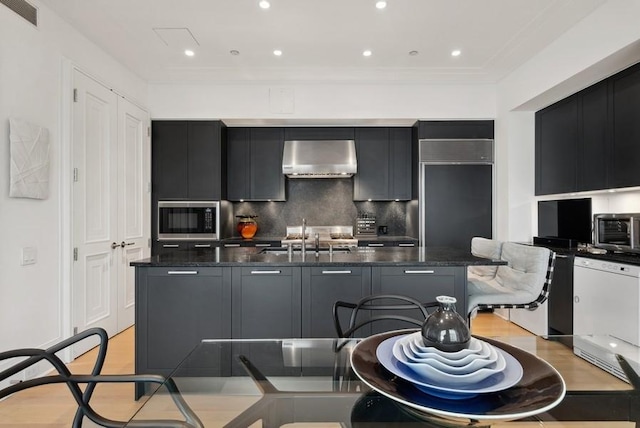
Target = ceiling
(322,40)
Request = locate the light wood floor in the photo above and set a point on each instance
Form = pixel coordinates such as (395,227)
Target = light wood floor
(53,407)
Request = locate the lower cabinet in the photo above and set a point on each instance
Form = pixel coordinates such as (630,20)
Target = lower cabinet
(423,283)
(266,302)
(175,309)
(322,287)
(560,301)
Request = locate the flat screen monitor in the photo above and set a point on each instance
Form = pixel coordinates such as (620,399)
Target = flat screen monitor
(565,218)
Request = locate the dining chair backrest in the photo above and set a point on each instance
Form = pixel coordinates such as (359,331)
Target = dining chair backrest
(378,308)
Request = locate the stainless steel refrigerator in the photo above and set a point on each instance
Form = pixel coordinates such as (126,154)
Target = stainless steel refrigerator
(456,188)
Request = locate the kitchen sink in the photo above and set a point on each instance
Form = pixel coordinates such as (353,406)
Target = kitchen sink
(323,250)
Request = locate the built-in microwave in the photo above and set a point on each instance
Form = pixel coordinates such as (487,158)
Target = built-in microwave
(617,232)
(189,220)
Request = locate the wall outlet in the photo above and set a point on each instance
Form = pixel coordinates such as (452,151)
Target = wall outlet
(29,256)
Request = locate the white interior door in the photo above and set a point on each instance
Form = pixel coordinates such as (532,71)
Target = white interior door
(134,211)
(95,208)
(111,206)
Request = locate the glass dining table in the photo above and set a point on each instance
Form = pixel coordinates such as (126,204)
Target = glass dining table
(565,381)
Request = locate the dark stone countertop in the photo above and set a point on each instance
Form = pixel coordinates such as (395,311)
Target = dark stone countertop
(609,256)
(360,256)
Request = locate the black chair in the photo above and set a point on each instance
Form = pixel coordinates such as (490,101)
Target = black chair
(74,381)
(379,307)
(370,310)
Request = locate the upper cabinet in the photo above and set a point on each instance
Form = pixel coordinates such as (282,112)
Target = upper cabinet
(556,147)
(625,118)
(455,129)
(187,160)
(254,164)
(384,164)
(589,141)
(318,133)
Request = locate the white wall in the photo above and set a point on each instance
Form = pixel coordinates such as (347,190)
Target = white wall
(602,44)
(312,102)
(31,64)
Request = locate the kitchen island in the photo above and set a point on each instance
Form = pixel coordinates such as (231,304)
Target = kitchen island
(187,296)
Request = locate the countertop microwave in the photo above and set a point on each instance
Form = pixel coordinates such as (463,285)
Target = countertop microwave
(188,220)
(617,232)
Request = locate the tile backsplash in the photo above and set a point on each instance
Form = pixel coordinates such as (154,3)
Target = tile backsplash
(323,202)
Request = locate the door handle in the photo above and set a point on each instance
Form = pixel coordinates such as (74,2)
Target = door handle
(114,245)
(124,244)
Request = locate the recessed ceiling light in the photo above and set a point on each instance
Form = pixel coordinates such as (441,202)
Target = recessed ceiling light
(234,52)
(381,4)
(265,4)
(277,52)
(367,53)
(456,52)
(413,53)
(189,52)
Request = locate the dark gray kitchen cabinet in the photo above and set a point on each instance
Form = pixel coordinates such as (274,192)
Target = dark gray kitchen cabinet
(593,138)
(266,302)
(588,141)
(321,287)
(399,242)
(384,164)
(166,247)
(187,160)
(560,301)
(455,129)
(319,133)
(175,309)
(423,283)
(625,148)
(254,160)
(169,153)
(556,148)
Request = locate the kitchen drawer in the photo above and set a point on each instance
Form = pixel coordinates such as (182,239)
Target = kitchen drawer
(186,271)
(338,270)
(418,270)
(268,271)
(257,244)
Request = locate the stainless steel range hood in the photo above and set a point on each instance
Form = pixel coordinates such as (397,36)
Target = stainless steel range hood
(319,159)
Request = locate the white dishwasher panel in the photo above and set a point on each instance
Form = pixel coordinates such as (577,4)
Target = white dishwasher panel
(606,299)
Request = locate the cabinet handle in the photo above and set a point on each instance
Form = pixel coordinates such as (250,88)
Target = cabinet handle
(374,245)
(183,272)
(331,272)
(231,245)
(419,272)
(202,245)
(265,272)
(170,246)
(406,245)
(561,256)
(263,245)
(576,299)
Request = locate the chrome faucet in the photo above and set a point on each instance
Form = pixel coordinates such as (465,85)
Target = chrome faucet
(317,244)
(304,231)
